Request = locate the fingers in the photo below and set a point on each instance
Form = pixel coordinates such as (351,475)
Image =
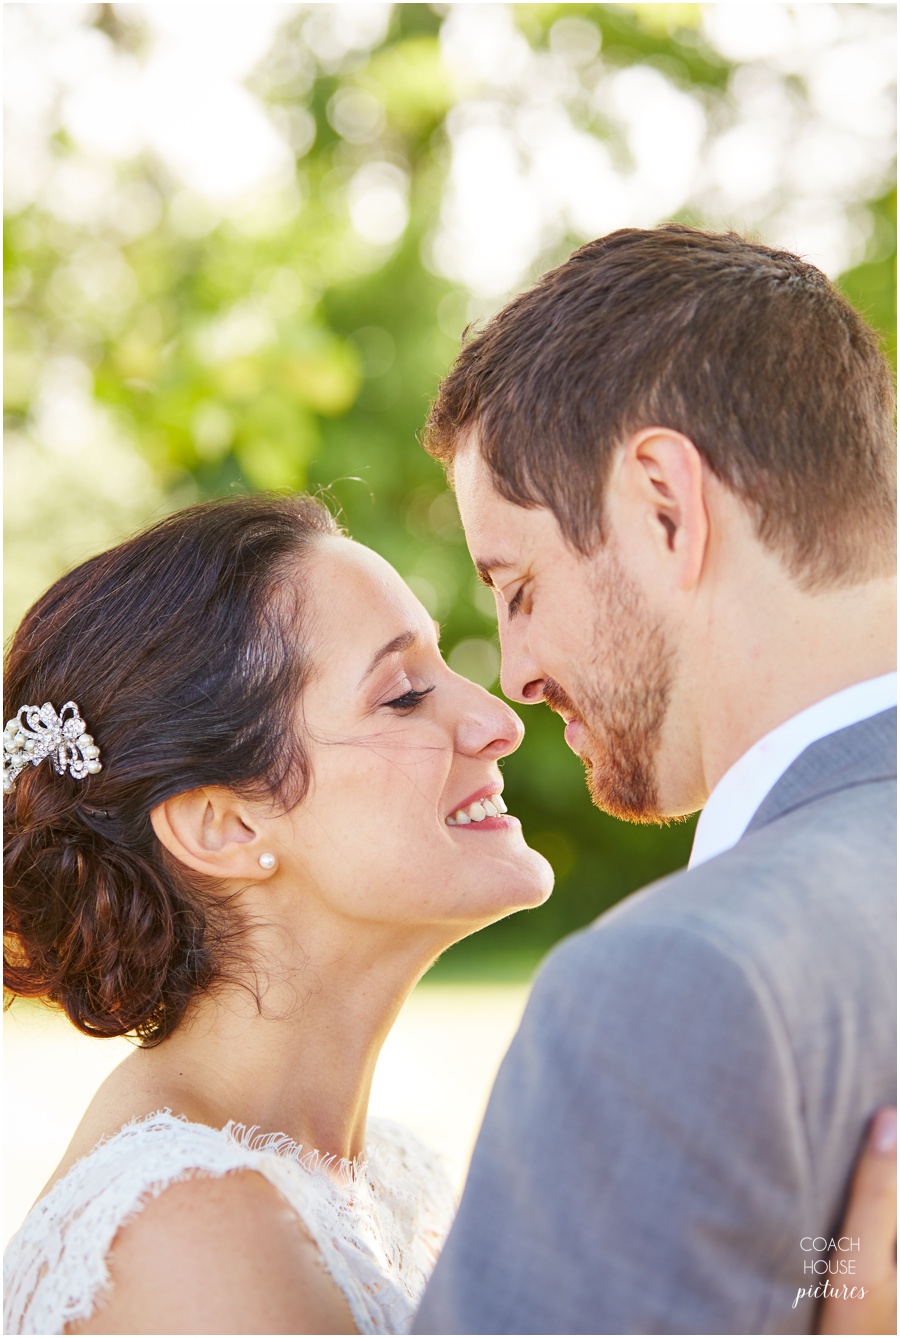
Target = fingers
(871,1215)
(868,1238)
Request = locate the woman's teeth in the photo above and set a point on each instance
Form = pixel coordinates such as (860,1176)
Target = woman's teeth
(491,807)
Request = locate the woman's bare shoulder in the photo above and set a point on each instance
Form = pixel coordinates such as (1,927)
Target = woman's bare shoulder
(123,1097)
(218,1255)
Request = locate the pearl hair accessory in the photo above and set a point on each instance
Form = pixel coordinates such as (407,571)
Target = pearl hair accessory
(267,861)
(36,732)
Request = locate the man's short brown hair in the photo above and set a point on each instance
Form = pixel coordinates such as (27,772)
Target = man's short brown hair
(750,352)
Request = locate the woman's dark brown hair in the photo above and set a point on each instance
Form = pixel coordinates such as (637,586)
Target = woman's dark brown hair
(184,652)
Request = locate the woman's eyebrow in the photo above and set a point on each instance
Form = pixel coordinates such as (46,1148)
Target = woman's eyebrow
(401,642)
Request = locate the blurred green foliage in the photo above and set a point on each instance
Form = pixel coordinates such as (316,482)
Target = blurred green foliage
(253,351)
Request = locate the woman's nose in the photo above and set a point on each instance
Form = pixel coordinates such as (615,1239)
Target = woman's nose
(489,728)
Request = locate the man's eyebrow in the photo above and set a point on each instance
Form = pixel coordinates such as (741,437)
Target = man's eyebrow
(401,642)
(484,567)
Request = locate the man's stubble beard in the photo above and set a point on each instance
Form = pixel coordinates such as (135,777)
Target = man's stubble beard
(624,708)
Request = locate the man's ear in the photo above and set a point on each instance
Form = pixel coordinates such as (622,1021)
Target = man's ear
(212,832)
(662,475)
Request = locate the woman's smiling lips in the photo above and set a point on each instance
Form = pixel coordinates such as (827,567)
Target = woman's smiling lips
(485,809)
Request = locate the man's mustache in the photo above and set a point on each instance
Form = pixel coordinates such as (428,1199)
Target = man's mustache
(557,700)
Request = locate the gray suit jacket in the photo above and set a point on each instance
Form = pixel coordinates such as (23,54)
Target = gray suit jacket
(686,1096)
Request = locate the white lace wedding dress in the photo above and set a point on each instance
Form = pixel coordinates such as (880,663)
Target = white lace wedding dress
(378,1222)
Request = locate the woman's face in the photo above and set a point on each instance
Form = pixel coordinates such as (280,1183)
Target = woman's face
(399,746)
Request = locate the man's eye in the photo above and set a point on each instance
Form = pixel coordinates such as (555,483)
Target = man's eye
(515,603)
(409,700)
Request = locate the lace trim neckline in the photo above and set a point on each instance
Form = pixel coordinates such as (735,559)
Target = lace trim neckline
(343,1171)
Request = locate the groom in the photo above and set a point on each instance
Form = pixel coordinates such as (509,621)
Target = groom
(674,464)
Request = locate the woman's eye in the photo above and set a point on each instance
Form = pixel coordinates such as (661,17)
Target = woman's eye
(410,699)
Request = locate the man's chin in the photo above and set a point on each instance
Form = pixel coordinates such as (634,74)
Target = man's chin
(628,794)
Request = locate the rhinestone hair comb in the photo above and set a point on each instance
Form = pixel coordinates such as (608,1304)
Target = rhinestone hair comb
(36,732)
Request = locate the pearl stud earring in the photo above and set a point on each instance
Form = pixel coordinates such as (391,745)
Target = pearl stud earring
(267,861)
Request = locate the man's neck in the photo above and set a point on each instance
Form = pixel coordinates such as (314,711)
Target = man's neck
(744,787)
(777,656)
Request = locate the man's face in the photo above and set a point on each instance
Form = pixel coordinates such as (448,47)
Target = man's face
(577,633)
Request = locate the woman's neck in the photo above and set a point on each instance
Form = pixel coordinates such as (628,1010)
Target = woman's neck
(300,1061)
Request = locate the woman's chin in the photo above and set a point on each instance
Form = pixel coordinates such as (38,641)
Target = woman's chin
(531,886)
(544,879)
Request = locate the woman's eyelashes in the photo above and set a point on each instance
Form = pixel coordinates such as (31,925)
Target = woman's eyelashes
(410,699)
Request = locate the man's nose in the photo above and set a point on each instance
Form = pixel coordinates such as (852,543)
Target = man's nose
(521,678)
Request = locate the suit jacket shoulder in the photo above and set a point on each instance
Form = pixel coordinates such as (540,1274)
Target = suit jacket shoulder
(807,899)
(805,906)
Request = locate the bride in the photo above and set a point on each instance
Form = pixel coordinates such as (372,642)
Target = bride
(255,809)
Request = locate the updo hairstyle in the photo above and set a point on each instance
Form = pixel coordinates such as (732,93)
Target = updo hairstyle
(184,650)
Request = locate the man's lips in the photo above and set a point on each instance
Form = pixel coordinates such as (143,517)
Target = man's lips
(557,700)
(574,733)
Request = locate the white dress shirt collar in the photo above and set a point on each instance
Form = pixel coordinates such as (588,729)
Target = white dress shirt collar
(745,785)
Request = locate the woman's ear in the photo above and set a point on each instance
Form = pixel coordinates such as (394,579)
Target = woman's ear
(666,484)
(212,832)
